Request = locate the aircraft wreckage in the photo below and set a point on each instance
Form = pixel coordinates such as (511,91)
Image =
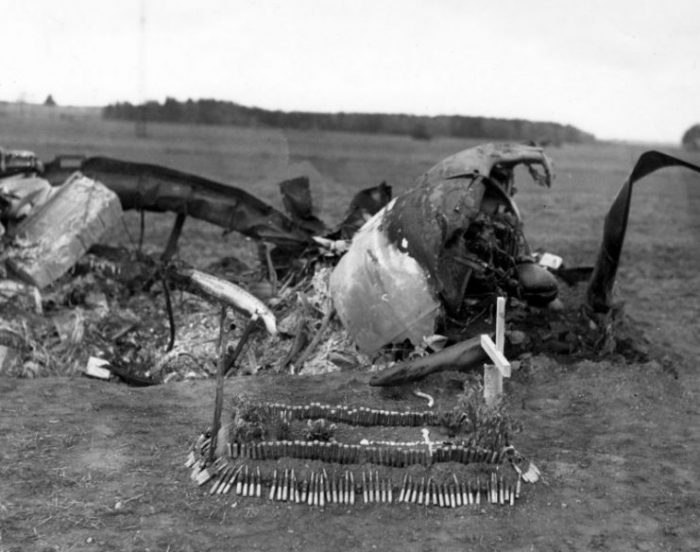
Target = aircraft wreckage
(401,271)
(412,279)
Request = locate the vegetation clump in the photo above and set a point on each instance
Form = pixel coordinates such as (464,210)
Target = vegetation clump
(255,422)
(319,430)
(691,138)
(485,426)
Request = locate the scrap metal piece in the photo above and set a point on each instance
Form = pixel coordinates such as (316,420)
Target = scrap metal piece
(62,230)
(363,206)
(601,284)
(157,188)
(382,294)
(296,198)
(18,162)
(408,264)
(461,355)
(22,194)
(227,293)
(150,187)
(483,159)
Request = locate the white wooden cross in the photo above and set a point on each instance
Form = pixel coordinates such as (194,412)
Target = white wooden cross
(494,373)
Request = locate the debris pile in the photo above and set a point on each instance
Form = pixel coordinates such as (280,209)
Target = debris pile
(400,285)
(132,290)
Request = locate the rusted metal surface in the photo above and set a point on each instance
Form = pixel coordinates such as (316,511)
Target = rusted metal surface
(149,187)
(161,189)
(455,234)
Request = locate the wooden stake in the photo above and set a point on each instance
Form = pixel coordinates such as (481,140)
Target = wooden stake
(219,400)
(494,373)
(169,308)
(230,362)
(500,323)
(493,384)
(495,355)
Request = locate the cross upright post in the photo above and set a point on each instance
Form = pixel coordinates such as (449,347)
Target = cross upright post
(494,373)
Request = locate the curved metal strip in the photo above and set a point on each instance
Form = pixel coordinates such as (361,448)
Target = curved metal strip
(599,295)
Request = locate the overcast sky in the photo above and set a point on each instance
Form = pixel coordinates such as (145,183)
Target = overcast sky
(621,69)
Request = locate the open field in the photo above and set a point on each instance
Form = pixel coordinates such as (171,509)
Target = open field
(618,443)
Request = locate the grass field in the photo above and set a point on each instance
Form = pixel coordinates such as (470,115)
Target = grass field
(618,443)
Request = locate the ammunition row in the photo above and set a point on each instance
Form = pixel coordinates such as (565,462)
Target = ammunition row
(354,416)
(453,494)
(340,453)
(318,489)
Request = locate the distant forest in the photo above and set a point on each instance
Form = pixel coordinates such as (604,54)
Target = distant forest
(216,112)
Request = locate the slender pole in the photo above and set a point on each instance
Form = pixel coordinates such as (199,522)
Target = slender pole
(272,273)
(169,307)
(228,363)
(494,373)
(171,246)
(224,365)
(500,323)
(142,228)
(219,401)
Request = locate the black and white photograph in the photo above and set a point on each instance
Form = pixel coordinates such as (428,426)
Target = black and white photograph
(321,275)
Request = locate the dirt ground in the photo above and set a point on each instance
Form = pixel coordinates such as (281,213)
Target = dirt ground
(88,465)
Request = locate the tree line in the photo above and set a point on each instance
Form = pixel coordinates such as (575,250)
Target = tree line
(218,112)
(691,138)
